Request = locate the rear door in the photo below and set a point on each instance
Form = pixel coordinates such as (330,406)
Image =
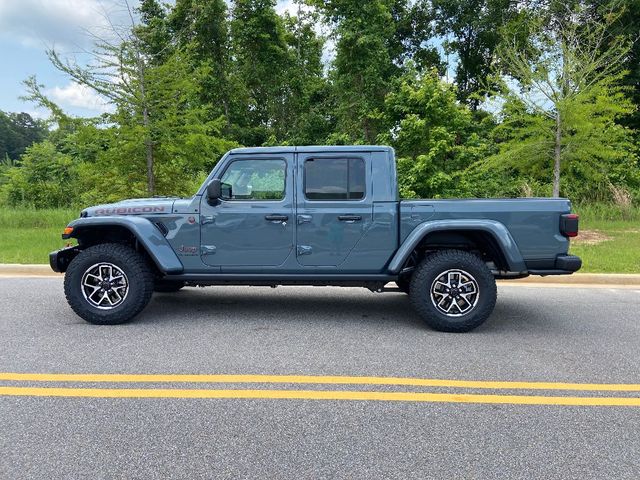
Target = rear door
(333,206)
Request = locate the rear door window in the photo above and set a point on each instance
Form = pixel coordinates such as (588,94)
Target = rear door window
(334,179)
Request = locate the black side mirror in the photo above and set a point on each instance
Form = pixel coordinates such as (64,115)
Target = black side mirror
(214,189)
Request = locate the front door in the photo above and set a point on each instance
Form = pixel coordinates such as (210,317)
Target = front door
(334,207)
(252,225)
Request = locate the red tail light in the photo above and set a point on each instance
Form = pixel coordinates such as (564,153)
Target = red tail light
(569,224)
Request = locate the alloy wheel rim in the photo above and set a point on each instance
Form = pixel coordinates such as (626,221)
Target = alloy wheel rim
(104,286)
(455,293)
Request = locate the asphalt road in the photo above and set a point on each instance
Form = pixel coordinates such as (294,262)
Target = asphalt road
(565,335)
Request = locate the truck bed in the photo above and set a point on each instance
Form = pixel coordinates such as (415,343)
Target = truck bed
(534,223)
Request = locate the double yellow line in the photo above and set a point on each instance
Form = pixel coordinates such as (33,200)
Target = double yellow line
(297,394)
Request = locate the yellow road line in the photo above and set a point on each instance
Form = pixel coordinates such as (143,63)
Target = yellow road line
(315,379)
(318,395)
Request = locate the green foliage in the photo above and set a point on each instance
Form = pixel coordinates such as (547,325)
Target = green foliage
(562,101)
(45,179)
(472,32)
(369,38)
(17,132)
(435,137)
(190,79)
(27,235)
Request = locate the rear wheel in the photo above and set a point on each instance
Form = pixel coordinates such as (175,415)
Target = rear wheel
(108,284)
(453,291)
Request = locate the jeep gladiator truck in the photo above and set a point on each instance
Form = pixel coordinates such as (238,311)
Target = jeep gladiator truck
(313,216)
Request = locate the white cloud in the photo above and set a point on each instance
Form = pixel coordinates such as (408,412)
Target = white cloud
(287,6)
(79,96)
(39,113)
(63,23)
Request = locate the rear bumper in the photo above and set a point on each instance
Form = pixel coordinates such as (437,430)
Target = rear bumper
(564,265)
(60,259)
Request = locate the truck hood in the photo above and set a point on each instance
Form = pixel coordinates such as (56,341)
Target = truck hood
(137,206)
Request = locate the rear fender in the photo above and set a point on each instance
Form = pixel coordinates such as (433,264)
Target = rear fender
(497,230)
(151,239)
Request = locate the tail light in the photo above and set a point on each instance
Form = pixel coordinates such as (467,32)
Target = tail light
(569,225)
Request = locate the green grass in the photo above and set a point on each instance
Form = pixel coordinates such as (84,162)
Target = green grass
(28,235)
(616,240)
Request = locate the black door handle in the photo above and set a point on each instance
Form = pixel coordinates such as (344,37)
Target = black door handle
(349,218)
(276,218)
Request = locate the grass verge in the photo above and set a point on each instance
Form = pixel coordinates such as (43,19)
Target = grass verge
(28,235)
(609,243)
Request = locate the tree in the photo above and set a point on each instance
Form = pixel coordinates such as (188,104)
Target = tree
(155,91)
(435,137)
(204,25)
(17,132)
(472,32)
(308,108)
(626,26)
(563,92)
(363,65)
(261,63)
(44,178)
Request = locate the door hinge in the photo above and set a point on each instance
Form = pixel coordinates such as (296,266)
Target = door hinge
(204,219)
(304,219)
(208,249)
(304,250)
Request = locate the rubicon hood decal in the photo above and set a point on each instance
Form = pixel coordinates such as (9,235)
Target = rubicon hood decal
(143,206)
(129,210)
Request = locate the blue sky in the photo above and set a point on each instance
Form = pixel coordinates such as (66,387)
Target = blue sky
(29,27)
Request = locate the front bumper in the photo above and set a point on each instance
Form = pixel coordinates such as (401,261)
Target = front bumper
(60,259)
(564,265)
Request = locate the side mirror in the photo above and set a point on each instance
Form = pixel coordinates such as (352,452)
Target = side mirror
(214,190)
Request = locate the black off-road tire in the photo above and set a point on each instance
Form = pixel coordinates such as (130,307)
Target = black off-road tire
(432,268)
(134,266)
(167,286)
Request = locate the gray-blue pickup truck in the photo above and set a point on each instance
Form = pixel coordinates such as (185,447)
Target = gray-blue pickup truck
(325,215)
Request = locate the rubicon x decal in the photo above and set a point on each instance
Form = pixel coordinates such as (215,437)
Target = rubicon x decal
(129,210)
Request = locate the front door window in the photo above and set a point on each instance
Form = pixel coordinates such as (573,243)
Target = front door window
(254,180)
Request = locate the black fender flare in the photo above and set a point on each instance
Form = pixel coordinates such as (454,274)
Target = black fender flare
(155,244)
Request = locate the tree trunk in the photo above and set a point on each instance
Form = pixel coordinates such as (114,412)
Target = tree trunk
(148,142)
(148,145)
(556,156)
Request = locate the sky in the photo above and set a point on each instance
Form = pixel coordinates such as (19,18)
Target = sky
(29,27)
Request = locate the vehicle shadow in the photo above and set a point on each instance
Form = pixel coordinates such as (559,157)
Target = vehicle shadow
(283,305)
(331,305)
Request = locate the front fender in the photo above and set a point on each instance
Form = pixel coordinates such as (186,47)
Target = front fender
(499,232)
(143,230)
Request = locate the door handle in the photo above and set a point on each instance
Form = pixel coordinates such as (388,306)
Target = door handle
(350,218)
(276,218)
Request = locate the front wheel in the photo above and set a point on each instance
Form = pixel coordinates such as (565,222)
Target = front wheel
(453,291)
(108,284)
